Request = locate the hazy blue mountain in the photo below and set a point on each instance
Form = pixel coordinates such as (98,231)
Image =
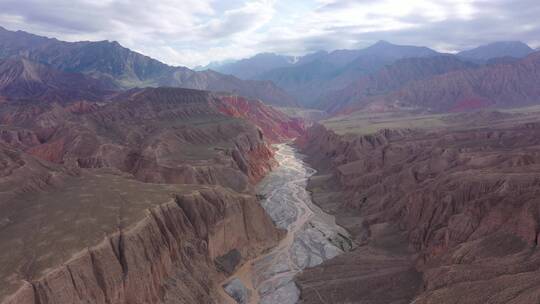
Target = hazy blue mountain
(335,70)
(214,65)
(483,53)
(251,67)
(390,78)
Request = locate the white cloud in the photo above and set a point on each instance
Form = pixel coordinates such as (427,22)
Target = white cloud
(195,32)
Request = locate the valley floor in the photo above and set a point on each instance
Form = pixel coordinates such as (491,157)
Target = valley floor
(312,236)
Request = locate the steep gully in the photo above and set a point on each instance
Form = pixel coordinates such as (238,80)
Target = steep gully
(312,236)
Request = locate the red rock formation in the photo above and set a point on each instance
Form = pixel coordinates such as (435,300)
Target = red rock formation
(275,125)
(470,104)
(146,133)
(53,151)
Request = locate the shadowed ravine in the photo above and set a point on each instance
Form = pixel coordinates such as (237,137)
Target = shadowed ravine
(313,236)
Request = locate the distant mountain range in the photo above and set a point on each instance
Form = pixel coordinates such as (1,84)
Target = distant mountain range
(317,79)
(335,70)
(389,78)
(513,49)
(250,68)
(504,85)
(124,68)
(377,78)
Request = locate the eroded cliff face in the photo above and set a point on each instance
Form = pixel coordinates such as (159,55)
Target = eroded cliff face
(275,125)
(457,212)
(168,256)
(158,135)
(86,198)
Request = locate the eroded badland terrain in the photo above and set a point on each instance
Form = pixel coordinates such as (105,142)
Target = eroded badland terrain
(441,215)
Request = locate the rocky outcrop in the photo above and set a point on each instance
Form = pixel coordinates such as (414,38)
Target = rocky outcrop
(275,125)
(454,211)
(173,247)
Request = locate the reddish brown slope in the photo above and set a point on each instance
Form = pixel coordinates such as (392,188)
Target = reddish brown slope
(503,85)
(158,135)
(275,125)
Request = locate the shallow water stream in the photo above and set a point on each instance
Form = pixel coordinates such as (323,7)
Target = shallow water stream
(312,236)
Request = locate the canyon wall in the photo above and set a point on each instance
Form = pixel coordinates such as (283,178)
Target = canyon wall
(147,199)
(448,216)
(168,256)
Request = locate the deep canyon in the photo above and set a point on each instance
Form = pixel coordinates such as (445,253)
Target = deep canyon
(312,235)
(409,176)
(442,216)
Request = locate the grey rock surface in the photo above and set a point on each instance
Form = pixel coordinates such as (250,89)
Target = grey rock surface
(236,289)
(313,236)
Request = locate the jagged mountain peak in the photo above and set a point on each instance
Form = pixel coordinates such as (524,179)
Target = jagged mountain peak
(126,68)
(388,48)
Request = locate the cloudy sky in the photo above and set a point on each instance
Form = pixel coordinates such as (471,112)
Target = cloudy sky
(195,32)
